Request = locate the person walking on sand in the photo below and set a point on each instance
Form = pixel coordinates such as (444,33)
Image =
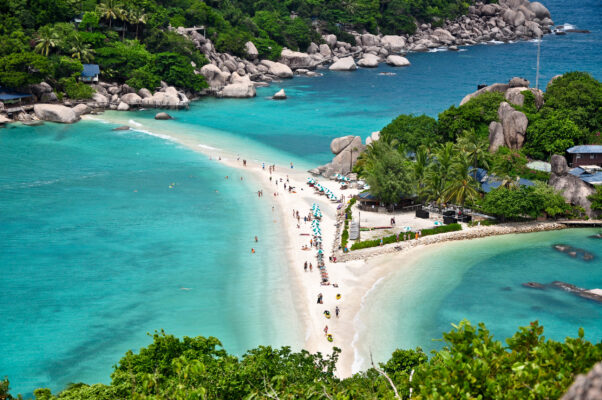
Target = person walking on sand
(337,311)
(311,268)
(320,298)
(305,266)
(326,330)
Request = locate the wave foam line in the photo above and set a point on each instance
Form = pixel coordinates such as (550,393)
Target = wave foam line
(358,360)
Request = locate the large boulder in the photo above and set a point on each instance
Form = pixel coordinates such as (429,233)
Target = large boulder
(444,36)
(514,124)
(539,10)
(369,39)
(48,97)
(325,51)
(397,61)
(344,64)
(343,162)
(488,10)
(159,99)
(331,40)
(251,50)
(295,59)
(338,144)
(145,93)
(278,69)
(573,189)
(123,106)
(214,76)
(496,136)
(393,43)
(100,100)
(368,61)
(515,96)
(39,89)
(518,82)
(81,109)
(586,387)
(238,90)
(496,87)
(131,99)
(55,113)
(312,48)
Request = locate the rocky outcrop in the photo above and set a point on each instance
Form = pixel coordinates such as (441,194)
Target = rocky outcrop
(163,116)
(214,76)
(344,64)
(346,149)
(540,11)
(586,387)
(368,61)
(496,136)
(40,89)
(55,113)
(518,82)
(393,43)
(278,69)
(295,60)
(131,99)
(123,106)
(241,88)
(279,95)
(514,125)
(397,61)
(496,87)
(251,50)
(144,93)
(573,189)
(81,109)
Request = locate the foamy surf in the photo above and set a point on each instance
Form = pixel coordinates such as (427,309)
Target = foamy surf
(132,122)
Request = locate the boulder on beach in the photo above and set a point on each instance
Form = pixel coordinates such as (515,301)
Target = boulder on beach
(331,40)
(325,51)
(238,90)
(123,106)
(338,144)
(55,113)
(163,116)
(344,64)
(81,109)
(144,93)
(131,99)
(397,61)
(279,95)
(393,43)
(296,59)
(278,69)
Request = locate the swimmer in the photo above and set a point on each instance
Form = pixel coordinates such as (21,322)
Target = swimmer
(256,240)
(252,251)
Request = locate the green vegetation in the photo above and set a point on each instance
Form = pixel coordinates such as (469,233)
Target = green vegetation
(511,202)
(412,131)
(471,365)
(393,238)
(596,199)
(345,234)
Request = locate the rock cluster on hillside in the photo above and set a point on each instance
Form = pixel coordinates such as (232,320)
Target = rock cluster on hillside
(346,150)
(573,189)
(507,21)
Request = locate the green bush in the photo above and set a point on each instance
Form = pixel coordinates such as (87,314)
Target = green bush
(144,78)
(76,90)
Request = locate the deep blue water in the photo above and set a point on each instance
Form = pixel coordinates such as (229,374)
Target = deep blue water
(96,248)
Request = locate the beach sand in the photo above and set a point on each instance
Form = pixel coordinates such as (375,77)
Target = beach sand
(356,277)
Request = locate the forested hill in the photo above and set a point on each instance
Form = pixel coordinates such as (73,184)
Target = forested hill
(50,39)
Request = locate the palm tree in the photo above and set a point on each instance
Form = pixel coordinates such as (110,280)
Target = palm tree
(137,16)
(82,51)
(47,39)
(420,166)
(462,186)
(475,148)
(109,9)
(124,16)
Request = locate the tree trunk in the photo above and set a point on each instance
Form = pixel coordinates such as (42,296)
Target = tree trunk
(137,24)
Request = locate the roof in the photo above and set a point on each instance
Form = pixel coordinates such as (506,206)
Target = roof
(586,149)
(592,179)
(577,171)
(7,94)
(367,196)
(90,70)
(540,166)
(493,183)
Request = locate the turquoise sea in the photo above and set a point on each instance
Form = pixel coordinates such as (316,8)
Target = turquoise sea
(107,235)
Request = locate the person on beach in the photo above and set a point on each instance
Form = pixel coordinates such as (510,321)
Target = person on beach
(305,267)
(263,166)
(272,208)
(244,163)
(337,311)
(270,179)
(311,268)
(291,165)
(326,330)
(320,298)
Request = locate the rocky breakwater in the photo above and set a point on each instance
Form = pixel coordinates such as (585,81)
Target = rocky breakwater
(346,150)
(573,189)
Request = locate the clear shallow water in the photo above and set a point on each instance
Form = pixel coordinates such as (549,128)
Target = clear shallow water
(97,250)
(88,265)
(481,280)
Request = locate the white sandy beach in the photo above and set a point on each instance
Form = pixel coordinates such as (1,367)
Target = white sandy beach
(356,276)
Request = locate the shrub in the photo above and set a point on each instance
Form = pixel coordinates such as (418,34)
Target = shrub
(76,90)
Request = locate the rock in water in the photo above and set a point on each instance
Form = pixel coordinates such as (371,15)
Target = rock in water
(344,64)
(295,59)
(238,90)
(123,107)
(397,61)
(163,116)
(279,95)
(81,109)
(368,61)
(55,113)
(121,128)
(278,69)
(131,99)
(393,43)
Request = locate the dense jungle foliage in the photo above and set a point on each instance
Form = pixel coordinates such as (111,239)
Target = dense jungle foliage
(470,365)
(45,40)
(437,160)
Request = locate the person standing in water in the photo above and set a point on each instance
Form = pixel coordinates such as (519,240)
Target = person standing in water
(256,240)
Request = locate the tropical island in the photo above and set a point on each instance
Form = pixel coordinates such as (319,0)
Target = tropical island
(509,159)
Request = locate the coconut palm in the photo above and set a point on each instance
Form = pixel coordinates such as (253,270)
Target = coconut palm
(82,51)
(109,9)
(475,148)
(420,166)
(47,38)
(462,186)
(137,16)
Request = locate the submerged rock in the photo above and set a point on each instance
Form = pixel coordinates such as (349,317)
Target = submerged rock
(279,95)
(163,116)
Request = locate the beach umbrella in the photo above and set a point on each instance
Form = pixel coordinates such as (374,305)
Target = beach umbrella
(320,251)
(438,223)
(407,229)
